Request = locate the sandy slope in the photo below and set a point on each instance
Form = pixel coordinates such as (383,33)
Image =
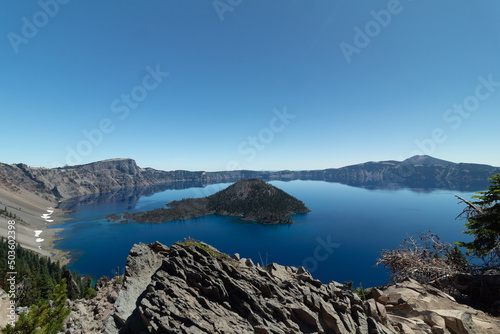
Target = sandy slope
(29,208)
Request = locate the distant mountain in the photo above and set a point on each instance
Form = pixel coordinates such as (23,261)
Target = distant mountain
(426,160)
(251,199)
(419,172)
(416,172)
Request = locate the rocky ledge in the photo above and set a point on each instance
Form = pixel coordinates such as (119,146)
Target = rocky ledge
(196,289)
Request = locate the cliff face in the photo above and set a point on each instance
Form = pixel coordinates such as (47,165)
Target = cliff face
(106,176)
(196,289)
(99,177)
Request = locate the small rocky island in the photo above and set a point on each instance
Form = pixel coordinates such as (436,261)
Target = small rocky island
(250,199)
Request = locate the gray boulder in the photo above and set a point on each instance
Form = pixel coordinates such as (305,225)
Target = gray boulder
(416,308)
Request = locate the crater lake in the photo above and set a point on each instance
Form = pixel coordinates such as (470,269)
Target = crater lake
(339,240)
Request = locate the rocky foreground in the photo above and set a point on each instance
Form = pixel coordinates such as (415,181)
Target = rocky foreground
(196,289)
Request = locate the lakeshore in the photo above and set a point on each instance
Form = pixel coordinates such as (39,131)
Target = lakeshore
(28,209)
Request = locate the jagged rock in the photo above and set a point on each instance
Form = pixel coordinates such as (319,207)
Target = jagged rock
(101,282)
(90,316)
(417,308)
(112,297)
(187,290)
(249,262)
(142,262)
(194,292)
(459,322)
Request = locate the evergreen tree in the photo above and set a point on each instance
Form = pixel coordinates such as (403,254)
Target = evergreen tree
(43,319)
(37,276)
(483,216)
(89,292)
(45,283)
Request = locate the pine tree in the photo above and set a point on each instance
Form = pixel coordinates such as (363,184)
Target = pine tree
(59,312)
(45,283)
(43,319)
(483,218)
(89,292)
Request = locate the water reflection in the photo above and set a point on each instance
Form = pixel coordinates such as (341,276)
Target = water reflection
(132,195)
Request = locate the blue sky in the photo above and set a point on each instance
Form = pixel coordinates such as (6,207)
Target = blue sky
(263,85)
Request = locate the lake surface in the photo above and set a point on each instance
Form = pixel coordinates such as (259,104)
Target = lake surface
(338,240)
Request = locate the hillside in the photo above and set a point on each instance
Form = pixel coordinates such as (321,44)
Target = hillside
(56,184)
(251,199)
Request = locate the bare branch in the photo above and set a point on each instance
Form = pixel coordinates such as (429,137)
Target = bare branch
(428,259)
(470,209)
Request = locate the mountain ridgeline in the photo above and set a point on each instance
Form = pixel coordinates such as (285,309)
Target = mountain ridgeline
(58,184)
(250,199)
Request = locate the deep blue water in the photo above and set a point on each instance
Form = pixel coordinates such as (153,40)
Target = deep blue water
(339,240)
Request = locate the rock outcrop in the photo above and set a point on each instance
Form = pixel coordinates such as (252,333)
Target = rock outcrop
(196,289)
(91,315)
(142,262)
(415,308)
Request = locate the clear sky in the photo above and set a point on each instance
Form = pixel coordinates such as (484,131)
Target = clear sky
(248,84)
